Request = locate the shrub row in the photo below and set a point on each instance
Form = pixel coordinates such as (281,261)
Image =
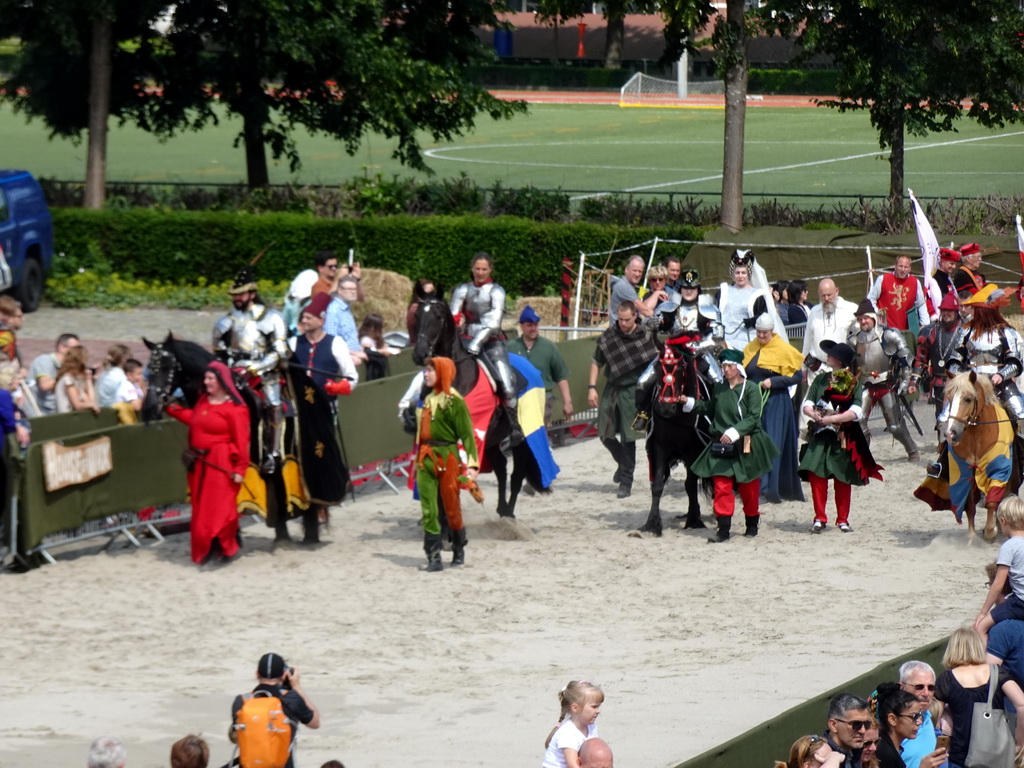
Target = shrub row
(359,197)
(815,82)
(183,247)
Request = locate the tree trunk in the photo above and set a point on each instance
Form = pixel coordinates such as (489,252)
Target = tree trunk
(253,121)
(100,69)
(896,143)
(735,117)
(614,36)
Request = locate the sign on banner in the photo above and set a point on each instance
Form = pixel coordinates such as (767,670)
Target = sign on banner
(65,465)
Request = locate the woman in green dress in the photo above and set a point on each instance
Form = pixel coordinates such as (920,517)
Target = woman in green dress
(740,452)
(836,447)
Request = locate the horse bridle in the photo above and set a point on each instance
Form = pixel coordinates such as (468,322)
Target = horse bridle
(163,391)
(425,305)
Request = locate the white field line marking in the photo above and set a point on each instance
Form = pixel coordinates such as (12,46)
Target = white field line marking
(810,164)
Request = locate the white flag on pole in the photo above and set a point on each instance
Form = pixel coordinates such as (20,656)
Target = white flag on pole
(929,252)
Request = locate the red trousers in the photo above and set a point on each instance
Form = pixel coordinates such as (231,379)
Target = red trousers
(725,502)
(819,495)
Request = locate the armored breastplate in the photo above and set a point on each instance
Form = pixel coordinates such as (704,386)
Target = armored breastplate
(985,354)
(247,341)
(874,363)
(687,317)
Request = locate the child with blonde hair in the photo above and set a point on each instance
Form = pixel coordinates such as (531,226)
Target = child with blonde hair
(1009,567)
(580,704)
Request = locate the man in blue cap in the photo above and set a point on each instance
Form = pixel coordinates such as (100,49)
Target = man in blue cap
(543,354)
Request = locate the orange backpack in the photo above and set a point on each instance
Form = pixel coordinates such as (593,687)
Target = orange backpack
(264,733)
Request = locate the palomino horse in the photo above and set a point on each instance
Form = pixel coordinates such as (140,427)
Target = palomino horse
(673,436)
(436,334)
(980,437)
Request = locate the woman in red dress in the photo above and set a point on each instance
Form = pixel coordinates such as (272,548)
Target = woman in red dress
(218,436)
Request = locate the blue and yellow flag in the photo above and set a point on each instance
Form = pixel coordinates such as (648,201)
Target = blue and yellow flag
(531,418)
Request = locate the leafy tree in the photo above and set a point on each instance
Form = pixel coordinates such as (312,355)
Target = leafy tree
(912,63)
(729,39)
(338,67)
(81,61)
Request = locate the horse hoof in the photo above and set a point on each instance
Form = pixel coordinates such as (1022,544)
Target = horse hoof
(647,529)
(506,514)
(697,523)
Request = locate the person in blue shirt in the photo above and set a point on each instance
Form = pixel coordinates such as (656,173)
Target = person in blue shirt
(340,321)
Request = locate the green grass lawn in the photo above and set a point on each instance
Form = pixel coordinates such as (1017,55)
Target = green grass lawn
(580,147)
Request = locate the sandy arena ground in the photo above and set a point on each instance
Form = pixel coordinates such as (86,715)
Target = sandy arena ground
(692,643)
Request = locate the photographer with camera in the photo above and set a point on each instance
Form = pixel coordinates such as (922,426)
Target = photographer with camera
(740,452)
(259,718)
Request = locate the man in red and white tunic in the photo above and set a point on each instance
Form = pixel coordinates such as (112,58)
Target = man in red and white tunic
(897,295)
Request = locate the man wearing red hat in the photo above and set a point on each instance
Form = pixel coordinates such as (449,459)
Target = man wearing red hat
(949,262)
(934,346)
(320,368)
(968,280)
(896,294)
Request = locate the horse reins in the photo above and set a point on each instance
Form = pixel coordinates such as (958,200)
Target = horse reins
(163,392)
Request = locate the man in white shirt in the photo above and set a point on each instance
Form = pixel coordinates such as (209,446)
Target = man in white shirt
(833,318)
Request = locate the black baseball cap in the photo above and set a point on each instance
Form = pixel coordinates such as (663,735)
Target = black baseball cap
(271,666)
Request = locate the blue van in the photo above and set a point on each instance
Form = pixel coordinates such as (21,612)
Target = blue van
(26,238)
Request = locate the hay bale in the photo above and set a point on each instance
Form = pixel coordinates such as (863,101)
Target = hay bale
(387,294)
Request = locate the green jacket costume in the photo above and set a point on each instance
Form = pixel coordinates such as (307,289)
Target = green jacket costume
(843,455)
(738,408)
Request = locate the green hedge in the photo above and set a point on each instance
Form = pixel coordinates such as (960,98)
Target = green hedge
(184,246)
(814,82)
(532,76)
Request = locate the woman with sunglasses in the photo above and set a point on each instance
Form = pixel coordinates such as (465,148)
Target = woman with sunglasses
(657,292)
(899,717)
(965,683)
(812,752)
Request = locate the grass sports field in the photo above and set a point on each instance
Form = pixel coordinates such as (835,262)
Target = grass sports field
(592,147)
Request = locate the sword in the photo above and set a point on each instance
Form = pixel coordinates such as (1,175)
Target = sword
(901,399)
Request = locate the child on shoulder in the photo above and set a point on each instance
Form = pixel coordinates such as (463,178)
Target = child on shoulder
(580,704)
(1009,568)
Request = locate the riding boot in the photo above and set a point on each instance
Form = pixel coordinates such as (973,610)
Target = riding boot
(722,534)
(752,523)
(311,525)
(459,547)
(515,432)
(432,546)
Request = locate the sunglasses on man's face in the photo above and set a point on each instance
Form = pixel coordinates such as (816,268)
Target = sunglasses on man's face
(921,687)
(855,725)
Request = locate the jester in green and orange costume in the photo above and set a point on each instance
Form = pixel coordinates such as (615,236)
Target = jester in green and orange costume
(444,423)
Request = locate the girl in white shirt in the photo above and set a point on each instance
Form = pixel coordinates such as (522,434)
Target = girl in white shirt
(580,705)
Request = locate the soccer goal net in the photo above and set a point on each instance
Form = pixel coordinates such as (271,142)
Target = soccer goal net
(646,91)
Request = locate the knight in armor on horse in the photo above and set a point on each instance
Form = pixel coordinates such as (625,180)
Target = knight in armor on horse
(478,307)
(694,326)
(253,337)
(883,358)
(985,343)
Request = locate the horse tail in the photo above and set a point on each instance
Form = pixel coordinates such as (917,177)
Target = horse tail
(707,487)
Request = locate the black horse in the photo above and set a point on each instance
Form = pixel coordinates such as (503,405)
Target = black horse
(436,334)
(674,436)
(175,364)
